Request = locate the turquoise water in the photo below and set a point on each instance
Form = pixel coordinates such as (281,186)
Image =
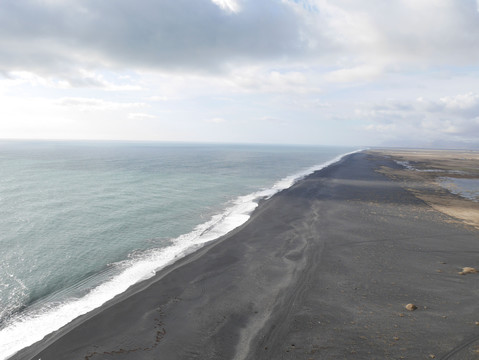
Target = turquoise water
(82,221)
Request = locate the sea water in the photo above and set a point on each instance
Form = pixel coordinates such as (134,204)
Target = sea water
(80,222)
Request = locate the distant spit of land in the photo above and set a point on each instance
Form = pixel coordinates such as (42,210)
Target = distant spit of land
(353,262)
(423,172)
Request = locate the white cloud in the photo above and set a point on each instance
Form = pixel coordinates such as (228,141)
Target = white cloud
(362,39)
(74,118)
(260,79)
(451,117)
(79,78)
(159,98)
(353,40)
(91,104)
(466,104)
(231,6)
(311,61)
(141,116)
(359,73)
(461,105)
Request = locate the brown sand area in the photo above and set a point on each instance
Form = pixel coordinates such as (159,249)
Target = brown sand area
(322,270)
(429,167)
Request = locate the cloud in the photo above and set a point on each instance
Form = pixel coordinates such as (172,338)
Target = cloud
(87,78)
(466,105)
(461,106)
(169,35)
(361,40)
(230,6)
(79,78)
(314,61)
(159,98)
(141,116)
(449,118)
(91,104)
(260,79)
(354,39)
(359,73)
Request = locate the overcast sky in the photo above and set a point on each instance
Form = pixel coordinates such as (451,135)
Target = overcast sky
(345,72)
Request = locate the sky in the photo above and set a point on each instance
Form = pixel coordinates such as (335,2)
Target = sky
(319,72)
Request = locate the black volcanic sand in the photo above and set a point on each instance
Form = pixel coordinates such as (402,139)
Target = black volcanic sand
(322,270)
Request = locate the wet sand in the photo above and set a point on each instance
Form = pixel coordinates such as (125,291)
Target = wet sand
(322,270)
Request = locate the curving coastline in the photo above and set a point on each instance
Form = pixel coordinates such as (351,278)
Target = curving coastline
(321,270)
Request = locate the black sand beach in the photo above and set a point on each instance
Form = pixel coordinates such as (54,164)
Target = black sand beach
(322,270)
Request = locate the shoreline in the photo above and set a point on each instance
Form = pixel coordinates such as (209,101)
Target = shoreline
(322,269)
(20,334)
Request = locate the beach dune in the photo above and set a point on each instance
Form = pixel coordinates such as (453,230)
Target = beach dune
(322,270)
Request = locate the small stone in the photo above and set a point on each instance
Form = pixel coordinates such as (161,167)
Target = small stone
(432,356)
(468,270)
(411,307)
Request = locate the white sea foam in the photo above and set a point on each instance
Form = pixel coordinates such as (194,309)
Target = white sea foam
(31,326)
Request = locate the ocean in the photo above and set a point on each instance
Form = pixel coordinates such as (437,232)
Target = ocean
(80,222)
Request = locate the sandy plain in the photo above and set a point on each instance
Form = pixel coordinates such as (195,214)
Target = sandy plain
(425,171)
